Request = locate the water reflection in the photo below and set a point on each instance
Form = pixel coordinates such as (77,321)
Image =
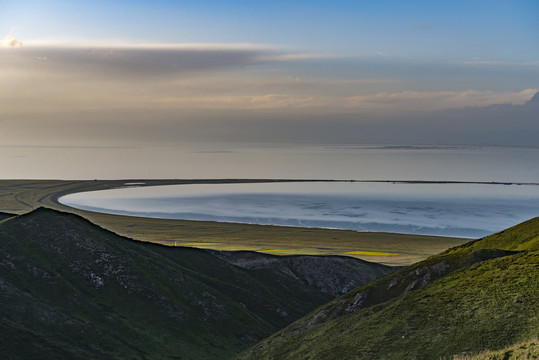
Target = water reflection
(467,210)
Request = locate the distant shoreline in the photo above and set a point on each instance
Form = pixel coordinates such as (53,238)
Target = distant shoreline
(355,205)
(19,196)
(447,182)
(163,182)
(130,183)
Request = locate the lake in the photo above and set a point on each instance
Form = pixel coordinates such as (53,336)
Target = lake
(462,210)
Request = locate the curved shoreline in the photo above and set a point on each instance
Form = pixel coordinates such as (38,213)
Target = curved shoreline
(128,183)
(21,196)
(446,182)
(364,205)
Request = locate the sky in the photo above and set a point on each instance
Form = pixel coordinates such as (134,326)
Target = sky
(121,74)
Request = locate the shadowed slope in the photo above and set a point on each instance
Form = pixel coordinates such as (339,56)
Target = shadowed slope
(70,289)
(4,215)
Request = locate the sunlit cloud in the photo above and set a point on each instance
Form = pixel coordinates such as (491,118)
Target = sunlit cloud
(267,101)
(299,57)
(10,41)
(369,103)
(438,100)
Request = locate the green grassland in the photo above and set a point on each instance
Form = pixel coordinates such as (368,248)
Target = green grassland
(525,350)
(478,296)
(20,196)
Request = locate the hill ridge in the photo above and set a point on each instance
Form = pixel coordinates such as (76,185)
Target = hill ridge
(71,289)
(479,266)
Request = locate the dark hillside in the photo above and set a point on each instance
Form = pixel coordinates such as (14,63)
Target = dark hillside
(333,275)
(72,290)
(4,215)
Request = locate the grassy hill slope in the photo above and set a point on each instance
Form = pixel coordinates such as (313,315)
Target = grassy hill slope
(524,236)
(72,290)
(525,350)
(482,295)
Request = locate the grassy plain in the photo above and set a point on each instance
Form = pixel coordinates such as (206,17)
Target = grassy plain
(20,196)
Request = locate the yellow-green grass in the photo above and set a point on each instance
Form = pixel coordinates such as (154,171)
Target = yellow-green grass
(371,253)
(526,350)
(20,196)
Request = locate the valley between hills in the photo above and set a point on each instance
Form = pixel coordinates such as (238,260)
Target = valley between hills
(78,285)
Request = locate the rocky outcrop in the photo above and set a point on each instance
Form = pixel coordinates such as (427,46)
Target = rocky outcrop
(333,275)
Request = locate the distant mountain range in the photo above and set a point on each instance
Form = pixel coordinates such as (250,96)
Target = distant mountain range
(72,290)
(478,296)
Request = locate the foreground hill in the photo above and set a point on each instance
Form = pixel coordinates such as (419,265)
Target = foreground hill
(4,215)
(72,290)
(482,295)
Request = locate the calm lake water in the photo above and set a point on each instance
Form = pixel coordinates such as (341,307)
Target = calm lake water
(463,210)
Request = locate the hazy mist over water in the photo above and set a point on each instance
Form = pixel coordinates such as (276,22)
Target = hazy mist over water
(272,161)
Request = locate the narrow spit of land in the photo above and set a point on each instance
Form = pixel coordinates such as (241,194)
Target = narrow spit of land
(443,182)
(20,196)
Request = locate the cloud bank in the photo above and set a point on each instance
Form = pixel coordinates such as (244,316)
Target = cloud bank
(210,76)
(240,92)
(133,61)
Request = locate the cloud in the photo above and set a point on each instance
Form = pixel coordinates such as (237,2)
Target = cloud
(437,100)
(249,102)
(212,119)
(10,41)
(58,78)
(141,61)
(239,92)
(300,57)
(379,103)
